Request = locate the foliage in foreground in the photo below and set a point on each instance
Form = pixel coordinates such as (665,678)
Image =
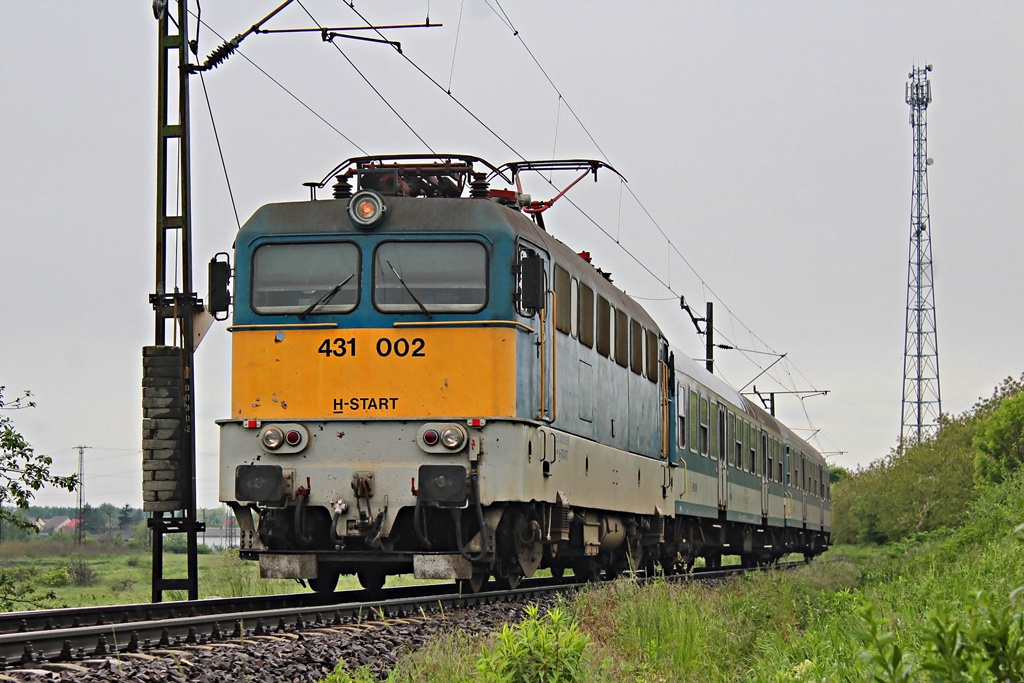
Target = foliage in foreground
(938,606)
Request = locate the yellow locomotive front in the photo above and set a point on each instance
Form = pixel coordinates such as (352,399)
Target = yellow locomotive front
(375,347)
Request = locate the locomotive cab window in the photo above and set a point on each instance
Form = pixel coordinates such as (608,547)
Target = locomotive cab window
(411,277)
(291,278)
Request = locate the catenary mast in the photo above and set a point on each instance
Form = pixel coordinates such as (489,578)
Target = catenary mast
(921,397)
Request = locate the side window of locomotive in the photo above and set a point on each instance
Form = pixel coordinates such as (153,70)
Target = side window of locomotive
(586,315)
(604,326)
(563,313)
(653,367)
(622,338)
(411,276)
(531,282)
(636,347)
(289,278)
(574,307)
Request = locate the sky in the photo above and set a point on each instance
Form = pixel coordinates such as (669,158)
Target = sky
(768,141)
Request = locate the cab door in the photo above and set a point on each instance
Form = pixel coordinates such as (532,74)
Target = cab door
(537,305)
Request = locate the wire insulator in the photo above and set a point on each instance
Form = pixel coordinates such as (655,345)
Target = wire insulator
(479,187)
(218,56)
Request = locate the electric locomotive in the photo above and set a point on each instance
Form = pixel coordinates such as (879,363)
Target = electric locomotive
(425,381)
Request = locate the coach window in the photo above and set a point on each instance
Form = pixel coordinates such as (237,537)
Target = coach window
(737,440)
(681,415)
(291,278)
(705,427)
(653,366)
(563,313)
(410,277)
(586,316)
(694,421)
(604,327)
(636,347)
(766,466)
(752,448)
(622,338)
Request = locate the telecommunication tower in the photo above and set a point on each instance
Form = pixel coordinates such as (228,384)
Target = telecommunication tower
(921,397)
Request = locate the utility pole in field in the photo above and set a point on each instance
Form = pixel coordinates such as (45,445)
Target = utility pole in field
(921,397)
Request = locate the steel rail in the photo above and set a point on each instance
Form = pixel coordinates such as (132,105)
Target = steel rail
(70,635)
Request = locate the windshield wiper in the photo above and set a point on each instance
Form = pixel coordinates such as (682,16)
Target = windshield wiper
(418,302)
(326,297)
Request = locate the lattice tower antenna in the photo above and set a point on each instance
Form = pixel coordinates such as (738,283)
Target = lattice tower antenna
(921,397)
(80,527)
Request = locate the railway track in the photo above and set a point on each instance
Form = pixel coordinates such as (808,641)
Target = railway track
(38,639)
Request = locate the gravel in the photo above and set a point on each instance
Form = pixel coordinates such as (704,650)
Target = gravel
(294,656)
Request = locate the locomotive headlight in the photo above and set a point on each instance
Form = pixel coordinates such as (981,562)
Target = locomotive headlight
(366,208)
(453,438)
(272,438)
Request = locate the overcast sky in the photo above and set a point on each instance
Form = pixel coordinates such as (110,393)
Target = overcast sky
(769,140)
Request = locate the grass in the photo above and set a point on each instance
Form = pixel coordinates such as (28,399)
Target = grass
(123,575)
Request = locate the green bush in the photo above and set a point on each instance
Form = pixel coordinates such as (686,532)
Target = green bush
(541,648)
(57,576)
(343,675)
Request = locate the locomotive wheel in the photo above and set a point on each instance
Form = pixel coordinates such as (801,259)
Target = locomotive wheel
(326,580)
(371,579)
(557,571)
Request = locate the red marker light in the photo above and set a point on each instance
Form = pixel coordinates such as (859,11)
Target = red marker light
(251,424)
(475,422)
(293,437)
(430,437)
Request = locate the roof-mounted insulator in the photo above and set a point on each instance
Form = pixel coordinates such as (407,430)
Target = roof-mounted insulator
(479,186)
(342,190)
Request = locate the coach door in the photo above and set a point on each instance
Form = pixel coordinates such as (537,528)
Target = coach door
(765,474)
(723,462)
(537,301)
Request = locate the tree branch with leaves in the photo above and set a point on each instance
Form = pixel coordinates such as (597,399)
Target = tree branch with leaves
(22,470)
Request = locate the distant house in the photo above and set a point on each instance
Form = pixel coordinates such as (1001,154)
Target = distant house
(60,524)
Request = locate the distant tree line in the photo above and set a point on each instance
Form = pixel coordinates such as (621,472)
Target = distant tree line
(931,485)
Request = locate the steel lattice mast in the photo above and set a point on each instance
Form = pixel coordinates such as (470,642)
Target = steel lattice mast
(921,397)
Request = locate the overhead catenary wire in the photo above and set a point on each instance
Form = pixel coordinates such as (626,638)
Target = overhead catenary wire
(283,87)
(220,151)
(367,80)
